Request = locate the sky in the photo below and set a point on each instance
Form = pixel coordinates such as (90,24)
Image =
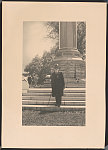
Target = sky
(35,41)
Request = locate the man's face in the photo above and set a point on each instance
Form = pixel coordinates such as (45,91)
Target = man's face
(56,70)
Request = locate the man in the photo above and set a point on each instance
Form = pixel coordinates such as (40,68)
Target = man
(57,83)
(29,80)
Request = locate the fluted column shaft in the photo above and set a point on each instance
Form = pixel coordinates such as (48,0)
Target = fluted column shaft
(68,37)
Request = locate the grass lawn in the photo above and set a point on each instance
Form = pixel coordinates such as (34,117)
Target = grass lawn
(51,118)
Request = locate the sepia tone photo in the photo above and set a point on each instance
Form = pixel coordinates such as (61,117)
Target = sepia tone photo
(54,73)
(53,69)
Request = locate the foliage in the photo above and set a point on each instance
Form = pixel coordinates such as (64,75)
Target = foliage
(34,66)
(40,67)
(46,65)
(81,37)
(53,30)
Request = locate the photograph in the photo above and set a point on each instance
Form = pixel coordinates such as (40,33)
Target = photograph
(54,73)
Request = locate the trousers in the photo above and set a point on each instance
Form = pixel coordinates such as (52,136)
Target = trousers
(58,100)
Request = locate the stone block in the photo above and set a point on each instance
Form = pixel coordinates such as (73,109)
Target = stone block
(25,86)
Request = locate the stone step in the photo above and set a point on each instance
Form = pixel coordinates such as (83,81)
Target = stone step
(71,63)
(49,94)
(68,86)
(62,59)
(72,67)
(76,86)
(46,98)
(72,75)
(48,90)
(68,65)
(74,81)
(70,81)
(71,72)
(68,103)
(52,108)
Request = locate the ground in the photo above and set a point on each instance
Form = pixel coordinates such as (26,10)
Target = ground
(51,118)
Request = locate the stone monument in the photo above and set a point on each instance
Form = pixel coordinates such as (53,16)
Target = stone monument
(68,57)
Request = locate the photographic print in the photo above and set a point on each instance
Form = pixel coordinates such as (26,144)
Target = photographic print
(53,69)
(54,73)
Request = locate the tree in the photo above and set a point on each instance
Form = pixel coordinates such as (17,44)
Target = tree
(40,67)
(81,37)
(53,30)
(46,61)
(34,66)
(53,33)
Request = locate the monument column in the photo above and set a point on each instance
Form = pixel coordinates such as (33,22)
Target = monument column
(68,57)
(68,38)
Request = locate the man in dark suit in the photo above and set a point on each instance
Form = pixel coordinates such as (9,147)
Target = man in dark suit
(29,80)
(57,83)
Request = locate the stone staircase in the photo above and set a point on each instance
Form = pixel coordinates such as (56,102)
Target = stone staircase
(41,99)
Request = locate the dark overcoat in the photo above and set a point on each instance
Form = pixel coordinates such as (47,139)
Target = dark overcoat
(57,84)
(29,80)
